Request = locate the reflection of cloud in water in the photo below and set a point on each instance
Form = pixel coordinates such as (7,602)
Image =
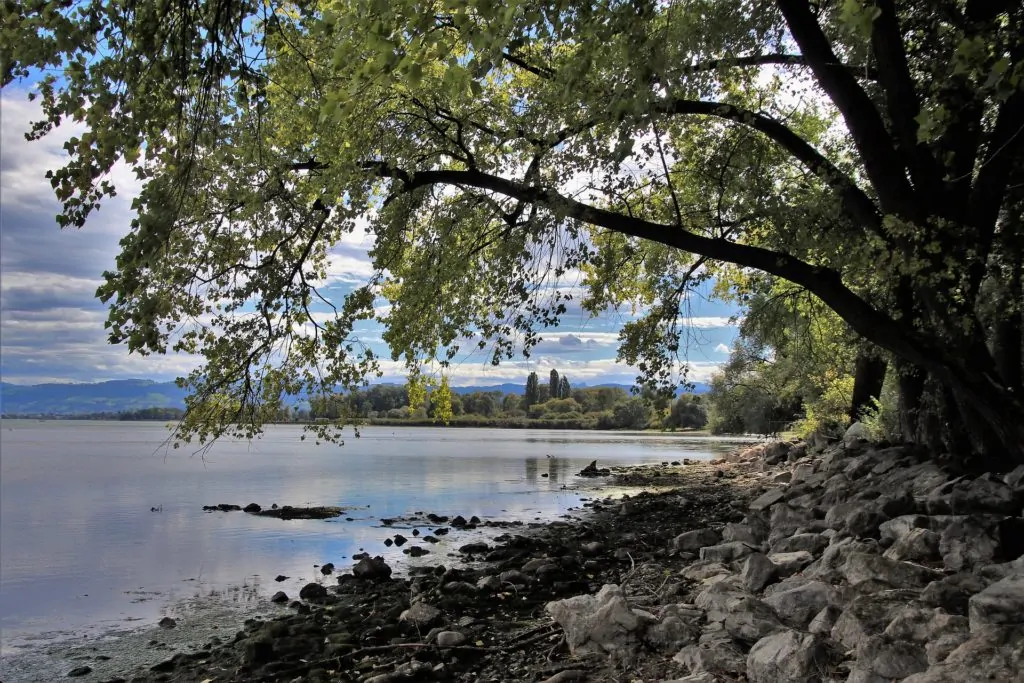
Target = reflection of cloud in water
(76,531)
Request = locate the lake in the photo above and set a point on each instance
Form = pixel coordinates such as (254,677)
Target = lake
(81,551)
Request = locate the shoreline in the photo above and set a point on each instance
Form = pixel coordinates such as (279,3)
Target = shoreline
(851,562)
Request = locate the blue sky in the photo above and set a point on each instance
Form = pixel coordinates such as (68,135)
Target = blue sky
(51,326)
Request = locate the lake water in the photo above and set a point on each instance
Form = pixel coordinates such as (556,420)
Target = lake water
(81,551)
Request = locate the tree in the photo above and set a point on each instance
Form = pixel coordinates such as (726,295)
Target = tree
(564,388)
(687,412)
(867,153)
(532,394)
(554,385)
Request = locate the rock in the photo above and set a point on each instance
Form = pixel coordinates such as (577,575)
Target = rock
(812,543)
(758,572)
(720,599)
(917,545)
(864,523)
(854,434)
(787,657)
(601,623)
(836,516)
(692,541)
(861,567)
(670,634)
(514,577)
(952,593)
(252,507)
(416,551)
(80,671)
(868,615)
(767,499)
(744,533)
(258,651)
(966,544)
(798,606)
(281,577)
(400,540)
(313,591)
(891,658)
(939,649)
(474,548)
(994,654)
(718,656)
(459,521)
(450,639)
(749,620)
(825,620)
(421,615)
(327,568)
(966,496)
(279,597)
(726,552)
(790,563)
(167,622)
(702,571)
(1002,603)
(488,583)
(372,569)
(592,470)
(593,548)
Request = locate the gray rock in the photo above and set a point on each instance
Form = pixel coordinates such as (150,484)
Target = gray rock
(791,563)
(702,571)
(812,543)
(726,552)
(313,591)
(966,544)
(421,615)
(868,615)
(854,434)
(758,572)
(744,533)
(952,593)
(786,657)
(372,569)
(670,634)
(751,620)
(602,623)
(692,541)
(720,599)
(836,516)
(993,654)
(917,545)
(891,658)
(514,577)
(768,499)
(939,649)
(488,583)
(718,656)
(797,606)
(967,496)
(1015,479)
(824,621)
(1002,603)
(922,625)
(860,567)
(450,639)
(864,522)
(898,527)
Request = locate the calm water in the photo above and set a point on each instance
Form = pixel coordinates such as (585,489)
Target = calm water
(80,548)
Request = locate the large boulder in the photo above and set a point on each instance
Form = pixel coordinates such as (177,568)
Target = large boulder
(767,499)
(855,433)
(372,569)
(750,620)
(421,615)
(916,545)
(967,543)
(692,541)
(787,657)
(758,572)
(868,615)
(992,654)
(861,567)
(811,542)
(727,552)
(890,658)
(716,654)
(602,623)
(1002,604)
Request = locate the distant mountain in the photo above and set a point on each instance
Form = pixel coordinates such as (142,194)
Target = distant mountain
(135,394)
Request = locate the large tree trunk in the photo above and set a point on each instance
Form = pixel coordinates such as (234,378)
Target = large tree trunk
(868,377)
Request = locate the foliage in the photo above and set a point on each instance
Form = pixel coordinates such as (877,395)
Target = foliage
(554,385)
(687,412)
(564,388)
(532,394)
(868,155)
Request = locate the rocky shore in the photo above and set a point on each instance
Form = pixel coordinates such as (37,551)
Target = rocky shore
(841,562)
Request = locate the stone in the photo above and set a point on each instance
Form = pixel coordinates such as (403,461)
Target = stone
(966,544)
(719,599)
(868,615)
(898,527)
(372,569)
(450,639)
(786,657)
(692,541)
(854,434)
(1002,603)
(758,572)
(1015,478)
(797,606)
(726,552)
(718,656)
(602,623)
(514,577)
(79,671)
(670,634)
(327,568)
(921,624)
(824,620)
(864,523)
(967,496)
(790,563)
(994,654)
(744,533)
(890,658)
(279,597)
(861,567)
(252,507)
(836,516)
(767,499)
(917,545)
(749,620)
(474,548)
(488,583)
(952,593)
(812,543)
(313,591)
(421,615)
(167,622)
(939,649)
(702,571)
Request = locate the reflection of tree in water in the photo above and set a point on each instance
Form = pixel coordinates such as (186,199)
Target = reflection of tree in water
(557,468)
(531,469)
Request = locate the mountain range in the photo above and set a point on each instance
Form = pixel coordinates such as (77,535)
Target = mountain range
(135,394)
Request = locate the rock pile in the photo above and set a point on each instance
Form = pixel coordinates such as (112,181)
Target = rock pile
(856,564)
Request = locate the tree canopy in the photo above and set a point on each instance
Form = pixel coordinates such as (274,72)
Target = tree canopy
(866,152)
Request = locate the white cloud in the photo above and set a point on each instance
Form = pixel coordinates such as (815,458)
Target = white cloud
(721,348)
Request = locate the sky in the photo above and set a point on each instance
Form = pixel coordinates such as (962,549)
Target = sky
(51,325)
